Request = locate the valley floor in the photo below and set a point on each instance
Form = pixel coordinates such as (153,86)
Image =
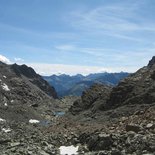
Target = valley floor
(126,130)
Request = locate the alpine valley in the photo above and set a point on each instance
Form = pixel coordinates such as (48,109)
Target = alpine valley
(98,114)
(74,85)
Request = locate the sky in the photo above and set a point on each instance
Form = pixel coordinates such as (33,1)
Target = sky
(77,36)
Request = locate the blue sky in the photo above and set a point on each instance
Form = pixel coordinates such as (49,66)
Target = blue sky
(78,36)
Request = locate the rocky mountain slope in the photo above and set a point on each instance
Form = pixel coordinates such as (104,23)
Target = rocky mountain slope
(74,85)
(124,123)
(23,93)
(137,88)
(34,78)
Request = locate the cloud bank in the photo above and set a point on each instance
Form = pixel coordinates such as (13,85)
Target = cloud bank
(50,69)
(4,59)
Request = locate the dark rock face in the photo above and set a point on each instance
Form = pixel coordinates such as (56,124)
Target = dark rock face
(24,70)
(152,62)
(90,97)
(36,79)
(97,142)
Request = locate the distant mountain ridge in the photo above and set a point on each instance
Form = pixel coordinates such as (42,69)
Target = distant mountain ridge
(74,85)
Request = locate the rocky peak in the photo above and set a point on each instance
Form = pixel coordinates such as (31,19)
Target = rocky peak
(151,62)
(34,78)
(24,70)
(137,88)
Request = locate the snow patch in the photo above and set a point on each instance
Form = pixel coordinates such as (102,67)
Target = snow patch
(4,76)
(68,150)
(6,130)
(5,87)
(34,121)
(2,120)
(12,101)
(5,104)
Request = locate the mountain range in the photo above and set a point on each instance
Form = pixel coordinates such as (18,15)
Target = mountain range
(74,85)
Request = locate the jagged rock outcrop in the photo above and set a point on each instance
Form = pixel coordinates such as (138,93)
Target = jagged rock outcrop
(90,98)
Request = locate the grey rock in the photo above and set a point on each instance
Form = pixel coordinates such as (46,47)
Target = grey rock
(133,127)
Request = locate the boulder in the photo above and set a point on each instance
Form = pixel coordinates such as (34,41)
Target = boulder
(133,127)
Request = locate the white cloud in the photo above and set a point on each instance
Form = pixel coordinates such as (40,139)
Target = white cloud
(110,55)
(18,59)
(65,47)
(97,52)
(120,20)
(49,69)
(4,59)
